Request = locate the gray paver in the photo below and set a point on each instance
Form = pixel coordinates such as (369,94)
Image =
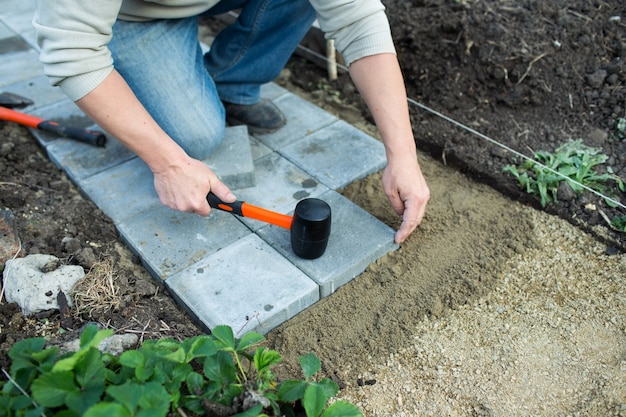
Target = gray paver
(18,64)
(280,185)
(81,161)
(168,241)
(123,190)
(38,90)
(357,238)
(232,160)
(303,118)
(248,286)
(337,154)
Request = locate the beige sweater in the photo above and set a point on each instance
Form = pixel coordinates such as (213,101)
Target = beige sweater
(73,34)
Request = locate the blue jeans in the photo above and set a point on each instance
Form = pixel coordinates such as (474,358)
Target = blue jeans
(163,63)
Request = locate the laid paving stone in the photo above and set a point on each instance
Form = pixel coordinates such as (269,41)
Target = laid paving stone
(357,239)
(81,161)
(20,21)
(168,241)
(303,118)
(232,160)
(19,63)
(280,185)
(337,154)
(272,91)
(38,90)
(248,286)
(122,191)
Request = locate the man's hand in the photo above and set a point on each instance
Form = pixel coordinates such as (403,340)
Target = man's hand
(185,186)
(407,192)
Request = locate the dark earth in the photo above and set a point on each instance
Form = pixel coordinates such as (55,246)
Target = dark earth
(529,74)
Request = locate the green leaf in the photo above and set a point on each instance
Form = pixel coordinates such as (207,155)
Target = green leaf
(265,358)
(314,400)
(127,395)
(292,390)
(221,368)
(342,409)
(107,410)
(202,346)
(310,365)
(224,334)
(51,389)
(329,386)
(252,412)
(154,398)
(248,340)
(195,382)
(177,356)
(132,358)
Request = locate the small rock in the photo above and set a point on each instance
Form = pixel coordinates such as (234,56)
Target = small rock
(86,257)
(115,345)
(70,244)
(597,137)
(25,283)
(596,79)
(565,192)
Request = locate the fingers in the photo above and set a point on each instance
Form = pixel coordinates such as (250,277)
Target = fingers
(411,218)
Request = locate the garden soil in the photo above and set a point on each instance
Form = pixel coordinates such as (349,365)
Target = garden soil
(495,306)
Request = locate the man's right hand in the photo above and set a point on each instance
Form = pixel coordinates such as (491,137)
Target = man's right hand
(185,185)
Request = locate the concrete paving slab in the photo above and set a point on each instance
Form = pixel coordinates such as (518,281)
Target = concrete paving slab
(19,63)
(337,154)
(357,239)
(5,32)
(38,90)
(81,161)
(122,191)
(280,185)
(169,241)
(248,286)
(303,118)
(21,22)
(258,149)
(232,160)
(272,91)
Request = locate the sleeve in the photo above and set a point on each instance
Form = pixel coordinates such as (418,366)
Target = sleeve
(359,27)
(73,36)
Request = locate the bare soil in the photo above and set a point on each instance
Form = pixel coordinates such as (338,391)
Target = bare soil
(494,306)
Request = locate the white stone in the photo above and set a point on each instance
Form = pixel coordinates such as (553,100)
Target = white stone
(32,289)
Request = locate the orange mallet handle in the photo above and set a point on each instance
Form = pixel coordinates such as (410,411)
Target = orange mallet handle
(92,137)
(244,209)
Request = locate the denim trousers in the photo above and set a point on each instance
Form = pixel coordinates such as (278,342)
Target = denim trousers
(183,89)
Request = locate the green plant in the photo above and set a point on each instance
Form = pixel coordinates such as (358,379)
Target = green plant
(619,223)
(574,162)
(215,374)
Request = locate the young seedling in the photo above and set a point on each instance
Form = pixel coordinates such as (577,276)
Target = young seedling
(572,162)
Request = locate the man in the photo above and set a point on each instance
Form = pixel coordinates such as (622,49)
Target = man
(135,67)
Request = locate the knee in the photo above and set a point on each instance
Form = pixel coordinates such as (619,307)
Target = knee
(201,141)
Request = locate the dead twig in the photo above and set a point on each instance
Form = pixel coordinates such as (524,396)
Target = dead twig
(530,66)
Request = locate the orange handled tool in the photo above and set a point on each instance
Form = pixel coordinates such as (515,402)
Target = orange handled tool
(92,137)
(244,209)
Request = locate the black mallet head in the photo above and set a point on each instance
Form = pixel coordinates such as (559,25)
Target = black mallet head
(310,228)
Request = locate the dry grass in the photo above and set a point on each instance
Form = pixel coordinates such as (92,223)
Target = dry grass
(97,293)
